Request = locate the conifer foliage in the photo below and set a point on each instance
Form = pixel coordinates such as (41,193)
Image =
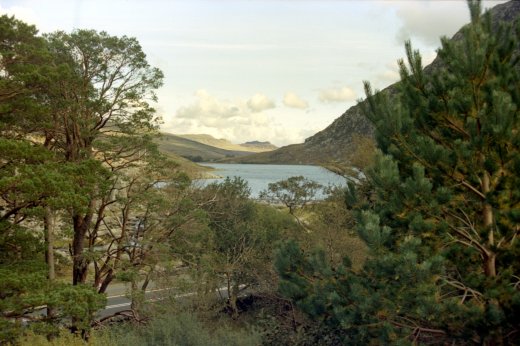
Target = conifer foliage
(75,121)
(443,228)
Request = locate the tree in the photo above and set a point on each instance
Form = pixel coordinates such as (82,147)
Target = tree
(442,229)
(33,185)
(332,229)
(240,241)
(75,118)
(104,114)
(138,237)
(24,67)
(294,193)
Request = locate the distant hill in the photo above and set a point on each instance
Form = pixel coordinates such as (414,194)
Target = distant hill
(189,167)
(259,146)
(254,146)
(203,148)
(334,143)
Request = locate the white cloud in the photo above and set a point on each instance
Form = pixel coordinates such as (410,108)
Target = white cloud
(294,101)
(337,95)
(208,108)
(234,120)
(429,20)
(22,13)
(421,19)
(260,102)
(389,76)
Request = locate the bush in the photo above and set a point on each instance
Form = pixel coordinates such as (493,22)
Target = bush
(183,329)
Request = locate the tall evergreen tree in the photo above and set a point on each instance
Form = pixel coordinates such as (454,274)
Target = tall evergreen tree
(443,228)
(75,116)
(33,181)
(103,112)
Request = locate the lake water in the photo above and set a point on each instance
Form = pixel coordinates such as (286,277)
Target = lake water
(259,176)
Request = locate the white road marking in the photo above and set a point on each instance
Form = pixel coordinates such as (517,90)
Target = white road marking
(117,306)
(189,294)
(150,291)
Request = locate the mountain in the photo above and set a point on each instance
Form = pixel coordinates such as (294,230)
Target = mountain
(189,167)
(346,133)
(255,146)
(201,148)
(259,146)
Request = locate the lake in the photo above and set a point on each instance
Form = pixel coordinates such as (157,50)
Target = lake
(259,176)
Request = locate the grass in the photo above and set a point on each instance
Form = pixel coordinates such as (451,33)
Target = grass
(173,329)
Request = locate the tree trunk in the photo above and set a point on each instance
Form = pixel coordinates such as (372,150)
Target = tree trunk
(137,298)
(233,304)
(490,258)
(232,297)
(487,221)
(487,211)
(106,281)
(490,265)
(79,262)
(146,281)
(48,221)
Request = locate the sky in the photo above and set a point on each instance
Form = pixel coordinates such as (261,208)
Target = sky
(267,70)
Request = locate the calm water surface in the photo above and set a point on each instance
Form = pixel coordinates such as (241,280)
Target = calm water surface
(259,176)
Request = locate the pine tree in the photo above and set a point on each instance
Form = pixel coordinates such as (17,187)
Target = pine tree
(443,228)
(74,117)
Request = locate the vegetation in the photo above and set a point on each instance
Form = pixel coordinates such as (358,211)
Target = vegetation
(420,249)
(170,329)
(442,223)
(294,192)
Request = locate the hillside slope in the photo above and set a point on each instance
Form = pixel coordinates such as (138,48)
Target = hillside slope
(194,150)
(255,146)
(259,146)
(193,170)
(341,138)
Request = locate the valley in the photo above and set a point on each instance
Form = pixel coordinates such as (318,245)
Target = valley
(205,148)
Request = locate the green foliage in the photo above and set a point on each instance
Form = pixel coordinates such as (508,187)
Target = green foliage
(75,119)
(24,71)
(294,192)
(182,329)
(115,82)
(169,329)
(240,239)
(79,303)
(25,289)
(440,220)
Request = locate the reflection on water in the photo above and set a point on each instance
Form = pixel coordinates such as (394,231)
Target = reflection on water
(259,176)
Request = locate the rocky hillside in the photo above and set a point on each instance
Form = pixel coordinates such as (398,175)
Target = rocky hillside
(339,139)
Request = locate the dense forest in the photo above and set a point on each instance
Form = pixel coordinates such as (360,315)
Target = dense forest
(422,248)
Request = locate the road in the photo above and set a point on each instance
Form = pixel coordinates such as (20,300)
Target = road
(118,301)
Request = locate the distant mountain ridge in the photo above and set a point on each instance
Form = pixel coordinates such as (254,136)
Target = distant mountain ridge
(253,146)
(201,147)
(334,143)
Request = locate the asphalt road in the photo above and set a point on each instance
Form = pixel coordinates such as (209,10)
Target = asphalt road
(117,299)
(120,302)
